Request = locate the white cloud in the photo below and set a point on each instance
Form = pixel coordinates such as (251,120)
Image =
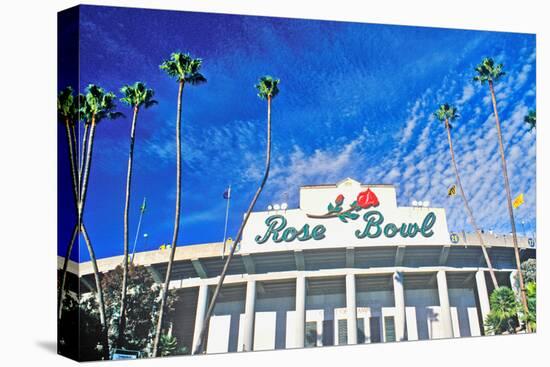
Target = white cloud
(467,94)
(321,166)
(415,115)
(425,172)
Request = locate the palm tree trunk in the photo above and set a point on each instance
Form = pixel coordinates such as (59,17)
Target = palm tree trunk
(202,335)
(122,324)
(75,146)
(82,154)
(468,209)
(509,201)
(86,168)
(176,223)
(83,191)
(100,301)
(70,140)
(61,295)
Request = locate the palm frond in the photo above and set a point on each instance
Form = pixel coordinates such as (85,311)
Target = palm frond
(137,95)
(150,103)
(183,67)
(446,112)
(67,105)
(487,70)
(99,104)
(268,87)
(531,119)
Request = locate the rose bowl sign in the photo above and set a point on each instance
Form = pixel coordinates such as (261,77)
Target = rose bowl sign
(344,215)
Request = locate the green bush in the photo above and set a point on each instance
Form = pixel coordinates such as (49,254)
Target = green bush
(167,345)
(503,315)
(80,329)
(529,272)
(531,317)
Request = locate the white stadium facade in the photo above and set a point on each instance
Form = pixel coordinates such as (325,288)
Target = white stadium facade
(347,267)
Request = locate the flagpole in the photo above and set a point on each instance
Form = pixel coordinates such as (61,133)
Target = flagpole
(142,210)
(226,218)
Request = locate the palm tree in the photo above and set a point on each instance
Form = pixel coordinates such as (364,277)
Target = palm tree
(99,105)
(81,113)
(531,119)
(268,88)
(447,114)
(186,70)
(504,307)
(67,109)
(488,71)
(135,96)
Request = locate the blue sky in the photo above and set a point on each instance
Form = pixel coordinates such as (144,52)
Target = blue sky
(355,100)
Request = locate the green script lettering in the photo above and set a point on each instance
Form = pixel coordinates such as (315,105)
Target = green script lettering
(374,220)
(279,232)
(318,232)
(274,223)
(289,234)
(427,224)
(374,227)
(390,230)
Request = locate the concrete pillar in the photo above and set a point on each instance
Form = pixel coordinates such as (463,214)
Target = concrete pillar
(351,308)
(202,302)
(248,329)
(300,311)
(444,305)
(483,296)
(399,295)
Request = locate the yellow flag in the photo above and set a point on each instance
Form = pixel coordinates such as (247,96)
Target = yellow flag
(451,191)
(518,201)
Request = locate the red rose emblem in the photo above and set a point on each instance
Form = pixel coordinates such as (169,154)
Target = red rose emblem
(339,199)
(367,199)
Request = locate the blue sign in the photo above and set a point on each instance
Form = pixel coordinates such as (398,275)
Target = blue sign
(531,242)
(125,354)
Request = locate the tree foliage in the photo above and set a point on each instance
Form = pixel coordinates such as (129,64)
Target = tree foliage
(80,329)
(446,112)
(268,87)
(531,316)
(138,95)
(97,104)
(67,106)
(168,345)
(531,119)
(529,272)
(503,315)
(184,68)
(142,302)
(488,71)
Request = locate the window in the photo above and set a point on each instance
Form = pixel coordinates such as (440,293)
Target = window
(374,323)
(389,328)
(342,331)
(328,332)
(360,330)
(311,334)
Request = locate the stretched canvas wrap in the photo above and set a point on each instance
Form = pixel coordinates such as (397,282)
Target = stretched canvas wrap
(233,183)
